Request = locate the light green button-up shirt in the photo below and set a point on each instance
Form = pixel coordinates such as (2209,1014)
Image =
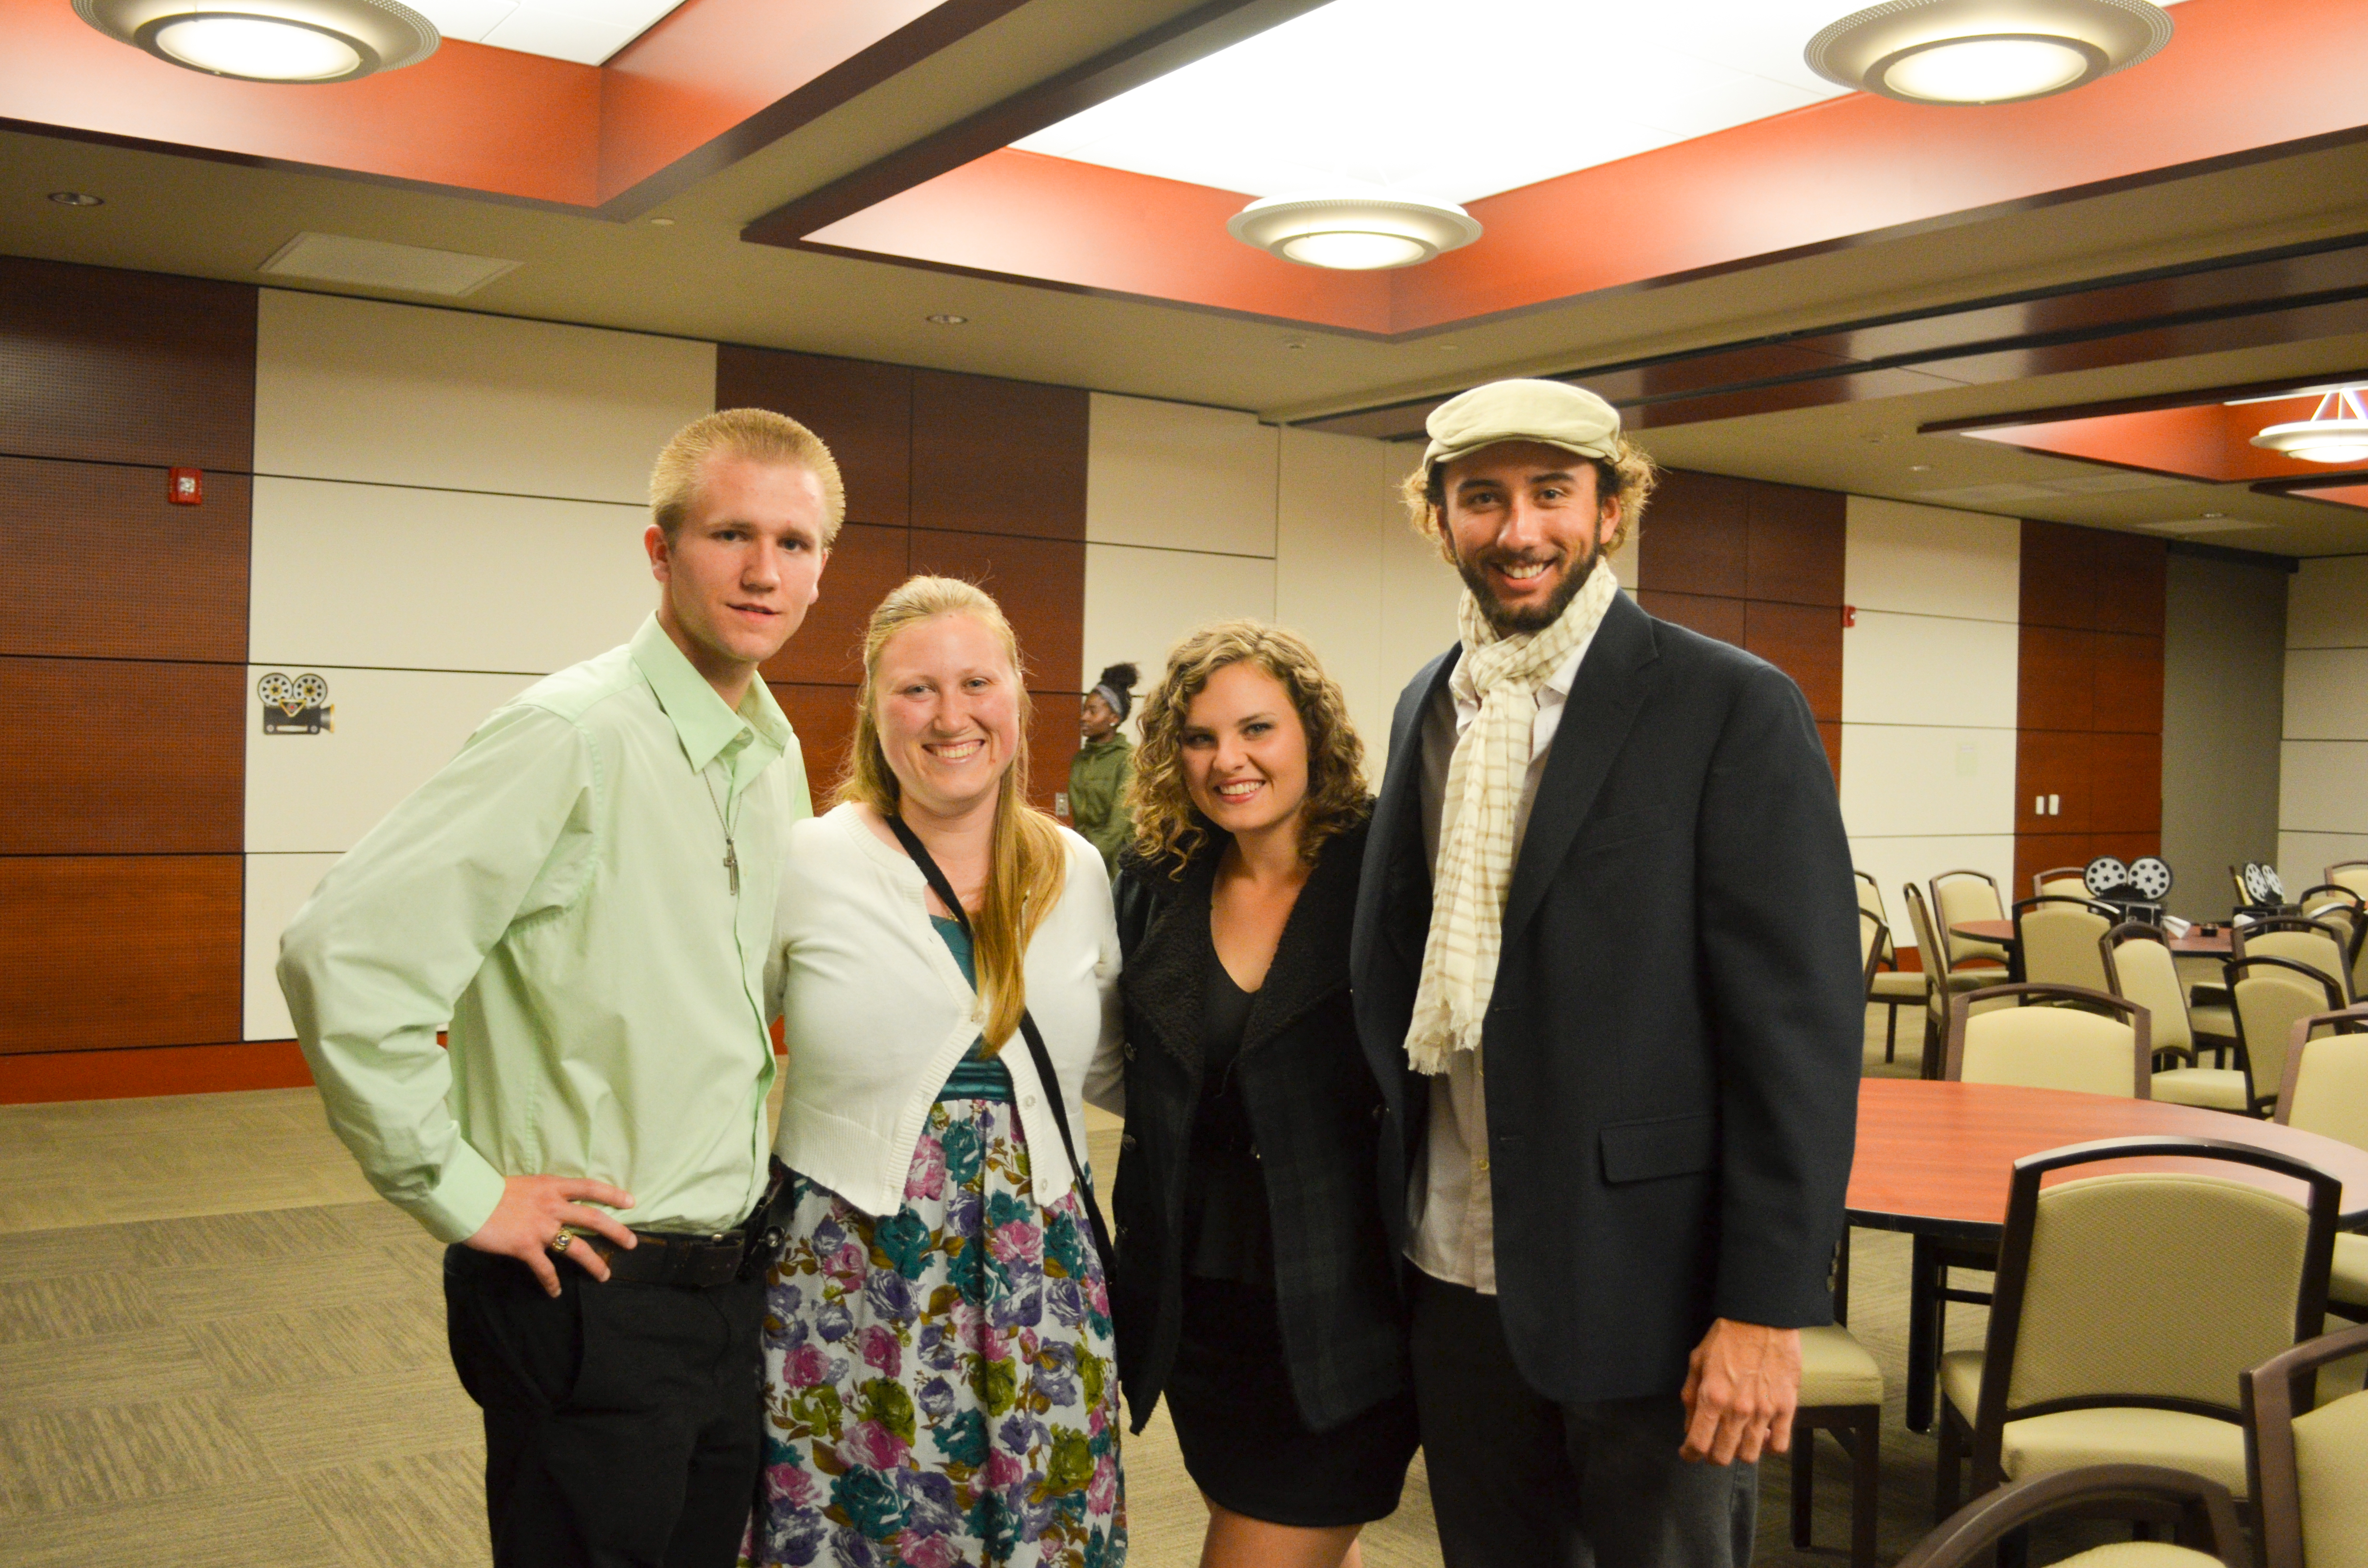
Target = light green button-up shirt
(559,893)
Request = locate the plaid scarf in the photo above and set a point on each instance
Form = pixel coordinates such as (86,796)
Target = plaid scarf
(1477,816)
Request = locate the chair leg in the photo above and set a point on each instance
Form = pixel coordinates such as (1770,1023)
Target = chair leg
(1944,1469)
(1866,1446)
(1891,1033)
(1805,1466)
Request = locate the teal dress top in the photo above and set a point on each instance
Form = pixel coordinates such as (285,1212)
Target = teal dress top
(977,1076)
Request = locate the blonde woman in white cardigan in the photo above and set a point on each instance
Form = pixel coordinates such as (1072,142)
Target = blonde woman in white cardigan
(939,1383)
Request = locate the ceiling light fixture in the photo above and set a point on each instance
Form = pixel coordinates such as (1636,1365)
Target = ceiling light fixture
(2337,431)
(946,318)
(1353,234)
(1986,52)
(269,41)
(77,199)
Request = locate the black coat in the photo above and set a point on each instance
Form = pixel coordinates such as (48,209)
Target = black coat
(1673,1045)
(1315,1113)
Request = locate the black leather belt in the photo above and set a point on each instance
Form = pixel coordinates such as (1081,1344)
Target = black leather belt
(665,1258)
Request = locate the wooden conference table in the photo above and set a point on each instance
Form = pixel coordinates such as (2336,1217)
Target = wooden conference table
(1935,1160)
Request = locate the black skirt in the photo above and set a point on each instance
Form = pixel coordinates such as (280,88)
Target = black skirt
(1239,1427)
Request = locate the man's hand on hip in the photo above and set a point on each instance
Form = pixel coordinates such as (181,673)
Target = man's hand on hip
(532,1212)
(1742,1384)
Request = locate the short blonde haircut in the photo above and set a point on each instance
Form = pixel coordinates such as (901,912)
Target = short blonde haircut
(1628,479)
(1168,829)
(1028,863)
(757,434)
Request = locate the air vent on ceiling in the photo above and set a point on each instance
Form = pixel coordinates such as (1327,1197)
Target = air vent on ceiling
(2184,526)
(377,264)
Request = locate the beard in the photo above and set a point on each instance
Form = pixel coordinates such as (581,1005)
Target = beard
(1510,620)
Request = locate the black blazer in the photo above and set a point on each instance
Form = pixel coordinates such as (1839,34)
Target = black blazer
(1315,1113)
(1674,1042)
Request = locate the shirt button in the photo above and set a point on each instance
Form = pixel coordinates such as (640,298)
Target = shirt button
(1030,1102)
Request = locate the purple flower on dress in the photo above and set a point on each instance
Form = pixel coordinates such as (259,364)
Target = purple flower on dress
(930,1507)
(1064,1298)
(879,1348)
(928,1176)
(834,1322)
(889,1296)
(936,1399)
(935,1348)
(873,1444)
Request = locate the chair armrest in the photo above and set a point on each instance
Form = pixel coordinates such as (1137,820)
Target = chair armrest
(1965,1534)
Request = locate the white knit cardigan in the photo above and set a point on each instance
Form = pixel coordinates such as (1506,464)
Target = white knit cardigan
(875,1012)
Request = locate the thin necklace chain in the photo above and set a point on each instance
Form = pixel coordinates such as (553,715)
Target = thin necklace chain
(731,853)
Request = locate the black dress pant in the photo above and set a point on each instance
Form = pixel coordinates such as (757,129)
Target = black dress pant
(1518,1480)
(623,1422)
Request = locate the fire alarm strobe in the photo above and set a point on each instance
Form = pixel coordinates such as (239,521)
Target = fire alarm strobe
(186,486)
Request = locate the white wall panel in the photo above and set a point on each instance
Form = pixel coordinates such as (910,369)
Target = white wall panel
(1912,781)
(2327,693)
(1334,508)
(394,728)
(439,579)
(2304,858)
(2323,787)
(1933,560)
(1141,602)
(403,394)
(276,887)
(1180,475)
(1896,861)
(1420,593)
(2326,604)
(1925,670)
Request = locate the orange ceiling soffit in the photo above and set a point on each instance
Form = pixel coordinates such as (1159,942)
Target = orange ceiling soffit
(2343,490)
(708,84)
(2208,441)
(2242,81)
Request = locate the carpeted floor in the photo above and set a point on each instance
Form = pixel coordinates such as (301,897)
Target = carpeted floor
(217,1348)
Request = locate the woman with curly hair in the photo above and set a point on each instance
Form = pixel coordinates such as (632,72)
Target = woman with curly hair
(936,1337)
(1255,1285)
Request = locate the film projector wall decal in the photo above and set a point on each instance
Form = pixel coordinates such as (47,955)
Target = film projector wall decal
(295,707)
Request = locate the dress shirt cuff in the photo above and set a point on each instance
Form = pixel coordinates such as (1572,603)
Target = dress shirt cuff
(463,1199)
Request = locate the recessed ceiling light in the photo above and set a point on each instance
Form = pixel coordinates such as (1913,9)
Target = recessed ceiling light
(662,222)
(1353,234)
(1986,52)
(2337,431)
(1919,467)
(77,199)
(946,318)
(269,41)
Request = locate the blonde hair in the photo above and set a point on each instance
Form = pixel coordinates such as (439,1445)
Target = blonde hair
(757,434)
(1627,478)
(1168,827)
(1028,862)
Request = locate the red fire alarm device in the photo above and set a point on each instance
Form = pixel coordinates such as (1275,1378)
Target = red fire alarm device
(1849,616)
(186,487)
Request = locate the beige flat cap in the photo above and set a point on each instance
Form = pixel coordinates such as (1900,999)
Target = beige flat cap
(1555,413)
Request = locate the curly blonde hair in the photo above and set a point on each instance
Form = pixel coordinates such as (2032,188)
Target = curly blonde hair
(1028,864)
(1628,479)
(1168,829)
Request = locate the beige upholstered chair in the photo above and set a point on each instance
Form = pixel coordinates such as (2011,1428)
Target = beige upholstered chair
(2326,1092)
(1841,1393)
(1891,988)
(2058,938)
(2127,1305)
(2062,1046)
(2353,874)
(2138,968)
(1960,896)
(2313,900)
(2060,881)
(1940,981)
(1974,1531)
(2308,1467)
(2313,942)
(2346,915)
(2268,995)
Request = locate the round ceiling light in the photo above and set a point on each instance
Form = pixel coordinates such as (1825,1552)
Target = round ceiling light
(269,41)
(1353,234)
(2337,431)
(1986,52)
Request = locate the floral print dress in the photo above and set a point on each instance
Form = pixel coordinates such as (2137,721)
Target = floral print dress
(939,1386)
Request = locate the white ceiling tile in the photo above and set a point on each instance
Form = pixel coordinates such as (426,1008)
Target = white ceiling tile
(533,31)
(468,20)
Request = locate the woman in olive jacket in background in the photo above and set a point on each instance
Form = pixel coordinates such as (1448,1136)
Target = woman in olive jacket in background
(1254,1286)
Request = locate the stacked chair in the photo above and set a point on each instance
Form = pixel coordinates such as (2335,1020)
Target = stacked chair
(2326,1092)
(1960,896)
(1841,1393)
(1888,987)
(2139,968)
(1941,982)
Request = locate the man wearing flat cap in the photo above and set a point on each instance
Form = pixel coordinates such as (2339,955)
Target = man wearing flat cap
(1606,967)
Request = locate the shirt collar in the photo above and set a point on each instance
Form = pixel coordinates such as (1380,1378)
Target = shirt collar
(705,726)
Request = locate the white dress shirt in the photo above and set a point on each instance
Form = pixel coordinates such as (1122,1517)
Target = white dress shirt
(1454,1232)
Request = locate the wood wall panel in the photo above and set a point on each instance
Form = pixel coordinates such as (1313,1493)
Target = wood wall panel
(2037,852)
(1053,740)
(2132,571)
(823,718)
(1696,536)
(1720,618)
(992,456)
(99,952)
(862,411)
(1040,583)
(2125,783)
(2055,674)
(105,756)
(2052,762)
(1795,544)
(867,562)
(2128,683)
(2060,575)
(108,365)
(97,564)
(1830,734)
(42,1076)
(1806,642)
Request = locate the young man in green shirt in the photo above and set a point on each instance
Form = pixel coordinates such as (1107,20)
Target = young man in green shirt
(587,893)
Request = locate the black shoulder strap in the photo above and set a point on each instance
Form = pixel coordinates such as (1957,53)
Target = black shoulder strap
(1037,1053)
